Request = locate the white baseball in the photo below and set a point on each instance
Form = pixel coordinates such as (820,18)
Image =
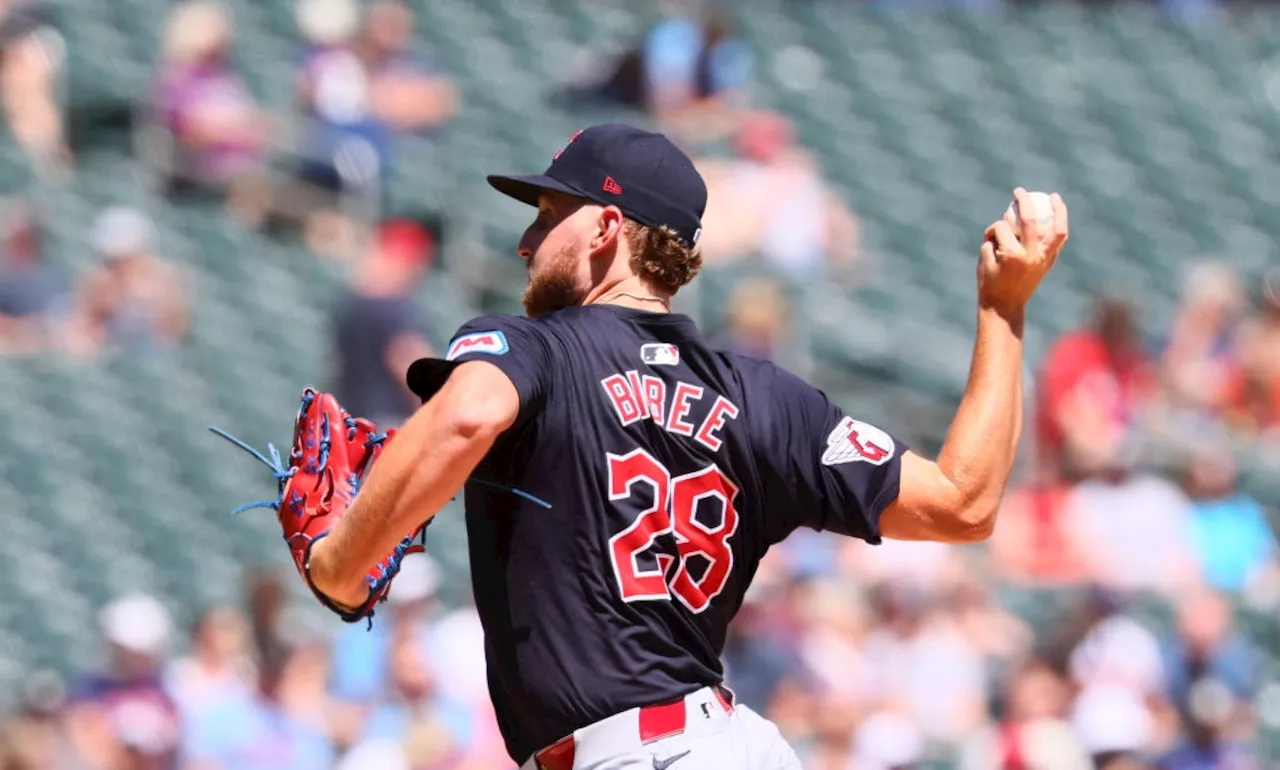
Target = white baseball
(1044,211)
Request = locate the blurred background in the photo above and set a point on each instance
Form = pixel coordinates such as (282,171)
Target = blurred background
(207,205)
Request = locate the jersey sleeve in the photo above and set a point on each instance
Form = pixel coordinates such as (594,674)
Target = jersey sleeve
(826,470)
(517,346)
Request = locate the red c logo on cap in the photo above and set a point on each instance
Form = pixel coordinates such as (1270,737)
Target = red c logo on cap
(560,152)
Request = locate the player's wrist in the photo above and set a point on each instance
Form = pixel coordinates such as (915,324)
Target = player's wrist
(325,578)
(1009,314)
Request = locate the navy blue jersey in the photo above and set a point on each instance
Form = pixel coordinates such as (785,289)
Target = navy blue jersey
(615,527)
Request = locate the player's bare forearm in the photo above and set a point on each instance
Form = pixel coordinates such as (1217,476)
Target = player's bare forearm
(956,498)
(422,469)
(978,454)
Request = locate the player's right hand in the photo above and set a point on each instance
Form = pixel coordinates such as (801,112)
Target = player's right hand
(1014,258)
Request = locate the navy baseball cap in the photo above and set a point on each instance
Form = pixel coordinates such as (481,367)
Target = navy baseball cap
(642,173)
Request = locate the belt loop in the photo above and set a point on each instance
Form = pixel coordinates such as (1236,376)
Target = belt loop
(725,696)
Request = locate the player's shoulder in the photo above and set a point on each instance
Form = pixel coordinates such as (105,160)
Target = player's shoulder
(760,377)
(494,333)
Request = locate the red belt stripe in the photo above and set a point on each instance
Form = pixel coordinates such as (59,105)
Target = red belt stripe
(656,722)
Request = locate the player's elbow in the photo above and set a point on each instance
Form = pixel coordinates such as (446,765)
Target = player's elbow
(971,517)
(974,522)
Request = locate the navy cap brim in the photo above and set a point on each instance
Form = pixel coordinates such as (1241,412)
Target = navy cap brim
(527,188)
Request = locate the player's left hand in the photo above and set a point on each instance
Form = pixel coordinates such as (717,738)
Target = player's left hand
(1016,256)
(331,455)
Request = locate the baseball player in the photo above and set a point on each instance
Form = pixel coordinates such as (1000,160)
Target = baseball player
(623,480)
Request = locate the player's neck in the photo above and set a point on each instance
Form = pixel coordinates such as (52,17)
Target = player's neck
(632,293)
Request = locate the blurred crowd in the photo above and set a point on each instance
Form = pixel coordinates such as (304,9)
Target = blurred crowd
(1122,616)
(866,658)
(258,686)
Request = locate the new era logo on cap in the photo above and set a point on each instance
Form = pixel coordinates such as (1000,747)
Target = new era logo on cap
(644,174)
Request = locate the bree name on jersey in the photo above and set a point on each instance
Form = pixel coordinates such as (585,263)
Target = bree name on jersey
(635,397)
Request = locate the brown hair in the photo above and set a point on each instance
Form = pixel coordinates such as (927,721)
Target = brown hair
(660,258)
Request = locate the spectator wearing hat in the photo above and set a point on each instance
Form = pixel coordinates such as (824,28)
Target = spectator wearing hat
(361,87)
(124,712)
(1114,726)
(134,300)
(887,740)
(377,328)
(213,132)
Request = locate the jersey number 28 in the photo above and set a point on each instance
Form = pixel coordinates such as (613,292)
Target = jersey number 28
(673,514)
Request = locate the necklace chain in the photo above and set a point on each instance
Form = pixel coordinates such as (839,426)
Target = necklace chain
(638,298)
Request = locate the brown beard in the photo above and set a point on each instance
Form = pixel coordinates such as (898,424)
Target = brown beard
(555,285)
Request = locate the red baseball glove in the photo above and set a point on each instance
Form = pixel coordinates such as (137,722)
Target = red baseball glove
(331,455)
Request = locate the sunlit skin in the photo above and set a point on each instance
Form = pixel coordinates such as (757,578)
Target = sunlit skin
(576,253)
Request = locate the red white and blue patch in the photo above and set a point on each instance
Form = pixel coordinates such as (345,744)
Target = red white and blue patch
(658,354)
(854,441)
(494,343)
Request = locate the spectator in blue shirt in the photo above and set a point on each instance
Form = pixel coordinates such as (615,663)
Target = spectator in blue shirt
(359,93)
(1229,531)
(697,73)
(275,728)
(31,293)
(691,71)
(1208,648)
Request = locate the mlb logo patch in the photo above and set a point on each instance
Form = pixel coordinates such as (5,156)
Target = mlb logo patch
(659,354)
(854,441)
(493,343)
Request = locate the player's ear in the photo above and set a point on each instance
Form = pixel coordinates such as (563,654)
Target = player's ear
(609,224)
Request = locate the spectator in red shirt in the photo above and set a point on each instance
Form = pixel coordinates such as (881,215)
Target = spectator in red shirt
(1035,543)
(1092,388)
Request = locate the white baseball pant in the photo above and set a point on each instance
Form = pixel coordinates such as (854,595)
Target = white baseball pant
(702,732)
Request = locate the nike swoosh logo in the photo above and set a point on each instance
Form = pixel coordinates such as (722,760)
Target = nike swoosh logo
(663,764)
